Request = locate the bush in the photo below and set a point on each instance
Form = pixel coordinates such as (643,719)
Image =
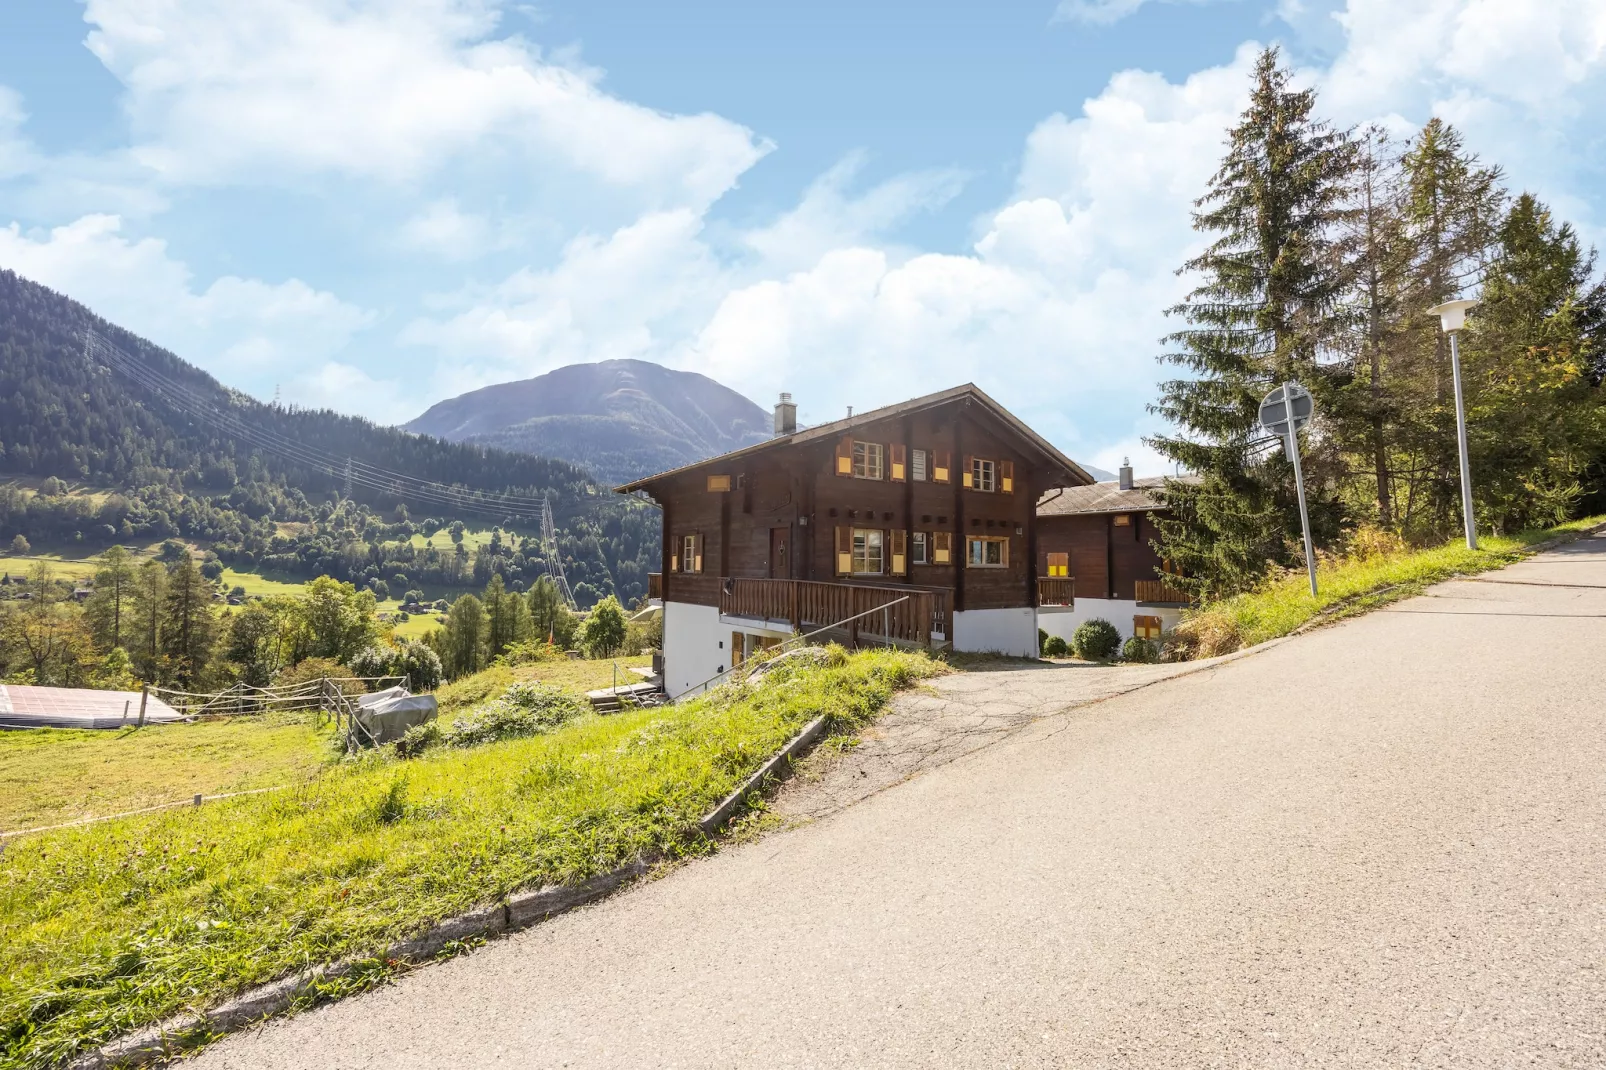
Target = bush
(1140,650)
(1055,647)
(373,661)
(529,652)
(315,668)
(605,628)
(525,709)
(1096,640)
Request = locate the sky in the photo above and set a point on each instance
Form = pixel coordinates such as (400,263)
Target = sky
(373,205)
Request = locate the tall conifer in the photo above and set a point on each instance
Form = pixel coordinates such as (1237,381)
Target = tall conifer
(1267,308)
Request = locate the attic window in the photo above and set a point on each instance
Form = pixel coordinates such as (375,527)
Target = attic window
(717,484)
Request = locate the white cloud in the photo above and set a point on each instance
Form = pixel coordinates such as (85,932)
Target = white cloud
(246,331)
(17,156)
(443,229)
(387,90)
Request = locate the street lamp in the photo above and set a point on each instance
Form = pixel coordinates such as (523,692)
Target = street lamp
(1452,317)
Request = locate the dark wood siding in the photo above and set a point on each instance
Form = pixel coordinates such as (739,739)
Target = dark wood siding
(798,488)
(1106,560)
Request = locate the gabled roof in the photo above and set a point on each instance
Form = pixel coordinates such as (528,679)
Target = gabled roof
(1107,497)
(841,427)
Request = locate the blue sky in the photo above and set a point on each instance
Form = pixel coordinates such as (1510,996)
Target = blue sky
(374,206)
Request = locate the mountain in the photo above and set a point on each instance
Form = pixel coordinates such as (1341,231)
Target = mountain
(619,418)
(265,486)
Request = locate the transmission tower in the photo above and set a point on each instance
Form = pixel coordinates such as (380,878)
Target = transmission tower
(347,491)
(549,540)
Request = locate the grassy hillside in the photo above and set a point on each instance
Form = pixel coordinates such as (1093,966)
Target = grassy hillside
(112,926)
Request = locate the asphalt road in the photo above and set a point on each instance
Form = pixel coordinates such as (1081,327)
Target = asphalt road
(1379,844)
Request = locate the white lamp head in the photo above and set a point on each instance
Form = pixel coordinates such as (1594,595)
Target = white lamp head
(1452,315)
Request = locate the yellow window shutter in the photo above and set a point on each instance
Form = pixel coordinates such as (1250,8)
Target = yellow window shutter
(942,544)
(1006,476)
(967,474)
(844,456)
(1003,553)
(900,462)
(942,463)
(900,553)
(844,551)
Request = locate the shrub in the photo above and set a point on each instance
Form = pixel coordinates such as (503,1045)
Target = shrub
(1095,640)
(314,668)
(421,665)
(605,628)
(525,709)
(373,661)
(530,651)
(1140,650)
(1055,647)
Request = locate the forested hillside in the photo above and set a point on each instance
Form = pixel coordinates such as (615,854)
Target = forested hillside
(173,448)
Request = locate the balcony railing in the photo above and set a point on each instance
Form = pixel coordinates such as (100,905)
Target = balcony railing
(805,604)
(1056,590)
(655,585)
(1161,591)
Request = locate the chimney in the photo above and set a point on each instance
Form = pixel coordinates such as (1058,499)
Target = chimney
(785,416)
(1126,473)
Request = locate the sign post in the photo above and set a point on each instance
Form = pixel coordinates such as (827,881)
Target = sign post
(1283,412)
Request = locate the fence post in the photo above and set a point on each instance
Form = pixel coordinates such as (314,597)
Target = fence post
(144,696)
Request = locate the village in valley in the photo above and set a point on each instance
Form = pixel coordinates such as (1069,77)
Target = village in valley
(610,718)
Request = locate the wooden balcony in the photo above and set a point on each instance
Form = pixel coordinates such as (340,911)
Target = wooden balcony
(807,605)
(1056,590)
(1161,591)
(655,585)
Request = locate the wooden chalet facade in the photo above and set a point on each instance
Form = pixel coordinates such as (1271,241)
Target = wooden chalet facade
(925,511)
(1097,559)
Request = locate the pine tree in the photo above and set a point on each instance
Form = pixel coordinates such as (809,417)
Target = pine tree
(1267,309)
(464,640)
(148,610)
(189,626)
(108,607)
(1536,413)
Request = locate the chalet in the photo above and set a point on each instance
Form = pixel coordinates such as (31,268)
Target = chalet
(922,511)
(1097,559)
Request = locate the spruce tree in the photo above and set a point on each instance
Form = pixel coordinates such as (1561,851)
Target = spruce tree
(1267,308)
(189,627)
(107,609)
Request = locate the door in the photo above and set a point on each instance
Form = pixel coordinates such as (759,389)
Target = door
(780,553)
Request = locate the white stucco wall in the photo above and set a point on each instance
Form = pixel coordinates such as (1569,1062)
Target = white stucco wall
(998,631)
(694,646)
(1064,620)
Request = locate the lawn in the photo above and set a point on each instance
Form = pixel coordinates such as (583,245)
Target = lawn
(106,928)
(50,776)
(1351,586)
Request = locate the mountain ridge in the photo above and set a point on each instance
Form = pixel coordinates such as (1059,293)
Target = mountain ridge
(619,418)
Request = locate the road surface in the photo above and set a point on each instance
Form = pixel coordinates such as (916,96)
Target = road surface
(1379,844)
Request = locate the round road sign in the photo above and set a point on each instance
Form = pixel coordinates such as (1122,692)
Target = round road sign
(1274,409)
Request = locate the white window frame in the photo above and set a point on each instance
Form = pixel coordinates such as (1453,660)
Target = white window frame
(688,554)
(984,543)
(983,474)
(917,465)
(919,548)
(869,548)
(869,460)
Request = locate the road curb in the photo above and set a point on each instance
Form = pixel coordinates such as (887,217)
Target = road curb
(716,818)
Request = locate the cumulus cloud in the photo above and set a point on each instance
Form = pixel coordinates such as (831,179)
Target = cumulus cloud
(386,90)
(248,332)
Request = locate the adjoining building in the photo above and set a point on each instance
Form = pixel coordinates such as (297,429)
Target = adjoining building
(1097,559)
(916,524)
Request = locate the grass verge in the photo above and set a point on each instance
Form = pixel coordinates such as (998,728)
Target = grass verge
(107,928)
(1350,586)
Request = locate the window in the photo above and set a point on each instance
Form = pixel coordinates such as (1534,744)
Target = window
(917,544)
(867,458)
(718,484)
(983,475)
(917,466)
(691,553)
(942,547)
(987,551)
(1146,627)
(1122,520)
(867,551)
(1059,565)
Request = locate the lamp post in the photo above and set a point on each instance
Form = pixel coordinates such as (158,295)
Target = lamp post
(1452,317)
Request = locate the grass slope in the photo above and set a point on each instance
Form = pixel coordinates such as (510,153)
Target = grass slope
(106,928)
(1353,586)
